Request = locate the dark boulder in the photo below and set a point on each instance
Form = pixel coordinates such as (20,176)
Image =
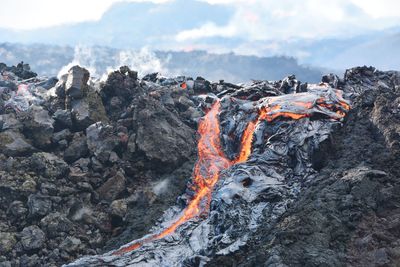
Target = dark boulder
(161,135)
(32,237)
(77,149)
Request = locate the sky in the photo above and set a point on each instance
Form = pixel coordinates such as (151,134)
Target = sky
(247,27)
(255,19)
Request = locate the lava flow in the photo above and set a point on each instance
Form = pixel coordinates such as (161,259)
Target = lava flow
(212,160)
(206,172)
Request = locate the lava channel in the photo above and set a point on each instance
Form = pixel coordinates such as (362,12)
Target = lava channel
(212,160)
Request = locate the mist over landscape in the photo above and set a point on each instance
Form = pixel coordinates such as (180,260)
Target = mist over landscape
(212,39)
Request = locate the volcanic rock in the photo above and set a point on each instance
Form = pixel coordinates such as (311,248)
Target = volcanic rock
(39,206)
(318,186)
(71,244)
(161,135)
(39,127)
(121,86)
(10,122)
(18,209)
(113,187)
(62,119)
(101,140)
(14,144)
(7,242)
(32,237)
(49,165)
(77,149)
(76,82)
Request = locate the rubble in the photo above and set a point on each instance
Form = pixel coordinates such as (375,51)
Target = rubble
(303,179)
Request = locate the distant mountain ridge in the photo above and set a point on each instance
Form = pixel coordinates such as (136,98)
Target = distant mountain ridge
(50,59)
(135,25)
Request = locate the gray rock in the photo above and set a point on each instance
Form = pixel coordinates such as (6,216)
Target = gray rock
(112,187)
(55,224)
(9,122)
(77,149)
(38,205)
(62,135)
(71,244)
(161,135)
(381,257)
(132,143)
(14,144)
(101,140)
(88,110)
(31,261)
(17,209)
(39,126)
(32,237)
(119,208)
(76,82)
(60,86)
(49,165)
(62,119)
(5,264)
(7,242)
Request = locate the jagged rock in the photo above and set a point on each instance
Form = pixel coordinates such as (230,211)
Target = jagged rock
(119,208)
(49,165)
(18,209)
(81,99)
(22,70)
(9,122)
(290,85)
(76,82)
(121,86)
(14,144)
(113,187)
(71,244)
(31,261)
(7,242)
(312,192)
(101,140)
(51,82)
(32,237)
(55,224)
(59,88)
(39,206)
(62,119)
(161,135)
(132,143)
(62,135)
(39,127)
(77,149)
(88,110)
(201,86)
(333,80)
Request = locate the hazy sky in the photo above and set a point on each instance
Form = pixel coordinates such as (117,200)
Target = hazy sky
(255,19)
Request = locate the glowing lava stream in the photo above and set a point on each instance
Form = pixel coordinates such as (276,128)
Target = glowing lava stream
(212,160)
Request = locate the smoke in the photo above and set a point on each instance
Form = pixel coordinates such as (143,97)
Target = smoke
(84,56)
(100,62)
(143,61)
(161,187)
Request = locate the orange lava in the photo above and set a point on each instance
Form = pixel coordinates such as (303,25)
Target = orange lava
(246,144)
(212,160)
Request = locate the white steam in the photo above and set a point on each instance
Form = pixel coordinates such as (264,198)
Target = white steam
(100,63)
(84,57)
(161,187)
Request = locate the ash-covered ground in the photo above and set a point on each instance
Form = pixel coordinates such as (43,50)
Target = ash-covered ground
(87,167)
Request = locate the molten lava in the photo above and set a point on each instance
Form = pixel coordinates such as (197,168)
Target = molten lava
(212,160)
